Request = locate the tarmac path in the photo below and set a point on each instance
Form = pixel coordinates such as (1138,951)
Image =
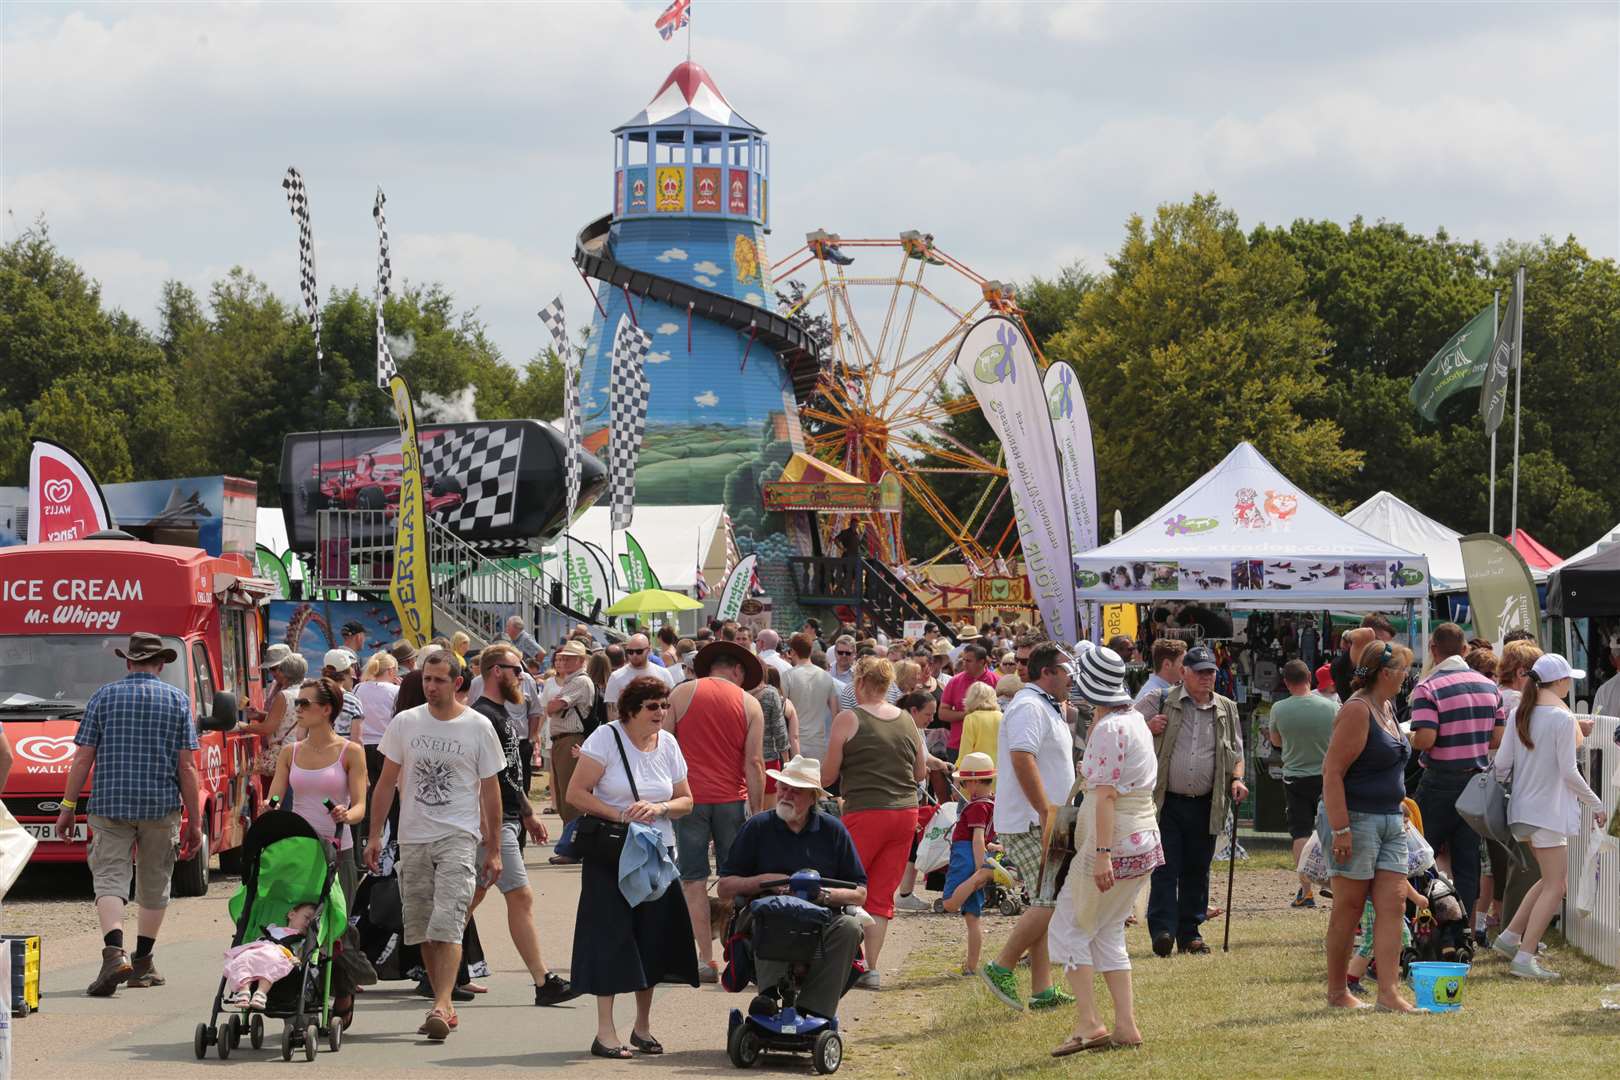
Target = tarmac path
(148,1033)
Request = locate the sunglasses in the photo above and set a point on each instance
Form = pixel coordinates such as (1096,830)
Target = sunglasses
(845,652)
(509,667)
(304,703)
(634,652)
(658,706)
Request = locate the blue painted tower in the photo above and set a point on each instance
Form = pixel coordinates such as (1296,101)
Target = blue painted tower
(684,252)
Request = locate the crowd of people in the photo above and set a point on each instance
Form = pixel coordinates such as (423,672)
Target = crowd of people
(727,759)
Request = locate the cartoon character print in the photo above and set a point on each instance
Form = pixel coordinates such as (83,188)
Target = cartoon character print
(1282,506)
(433,782)
(1245,514)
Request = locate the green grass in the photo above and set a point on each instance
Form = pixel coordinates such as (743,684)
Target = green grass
(1256,1011)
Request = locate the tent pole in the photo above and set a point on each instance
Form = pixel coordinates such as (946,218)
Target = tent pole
(1518,384)
(1423,645)
(1496,303)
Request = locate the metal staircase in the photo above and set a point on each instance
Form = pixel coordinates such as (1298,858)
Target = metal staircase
(471,592)
(865,585)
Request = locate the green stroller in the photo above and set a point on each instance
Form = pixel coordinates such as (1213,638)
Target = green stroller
(287,864)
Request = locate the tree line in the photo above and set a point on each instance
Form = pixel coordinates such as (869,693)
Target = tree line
(214,385)
(1304,339)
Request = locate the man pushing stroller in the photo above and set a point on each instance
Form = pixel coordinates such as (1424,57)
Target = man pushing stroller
(797,836)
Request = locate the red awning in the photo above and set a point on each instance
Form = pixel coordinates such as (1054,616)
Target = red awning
(1538,555)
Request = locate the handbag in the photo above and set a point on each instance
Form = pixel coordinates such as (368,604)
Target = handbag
(598,840)
(1483,806)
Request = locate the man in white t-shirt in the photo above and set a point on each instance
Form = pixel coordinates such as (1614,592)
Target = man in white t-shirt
(446,757)
(814,693)
(1036,746)
(637,651)
(842,666)
(767,642)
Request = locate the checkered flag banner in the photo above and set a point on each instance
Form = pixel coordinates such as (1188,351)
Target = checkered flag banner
(627,416)
(385,272)
(556,322)
(298,202)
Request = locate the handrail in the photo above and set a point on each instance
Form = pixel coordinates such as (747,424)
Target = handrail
(781,335)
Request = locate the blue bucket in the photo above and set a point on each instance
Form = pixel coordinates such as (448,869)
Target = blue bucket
(1438,987)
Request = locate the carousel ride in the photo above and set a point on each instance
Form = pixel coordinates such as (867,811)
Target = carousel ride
(892,312)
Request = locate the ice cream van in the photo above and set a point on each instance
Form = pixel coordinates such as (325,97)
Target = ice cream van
(64,608)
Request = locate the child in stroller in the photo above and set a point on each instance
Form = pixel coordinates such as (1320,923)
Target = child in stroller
(286,867)
(250,969)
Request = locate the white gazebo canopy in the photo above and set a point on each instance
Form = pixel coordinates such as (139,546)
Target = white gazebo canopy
(1245,532)
(676,540)
(1390,518)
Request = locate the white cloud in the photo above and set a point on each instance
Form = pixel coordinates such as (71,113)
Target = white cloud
(707,399)
(708,267)
(704,279)
(657,357)
(668,328)
(755,299)
(672,255)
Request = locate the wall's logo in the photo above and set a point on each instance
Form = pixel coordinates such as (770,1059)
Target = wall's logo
(46,749)
(58,491)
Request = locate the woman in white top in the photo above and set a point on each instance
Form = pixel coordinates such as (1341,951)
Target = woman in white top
(619,949)
(1511,671)
(1538,756)
(1116,843)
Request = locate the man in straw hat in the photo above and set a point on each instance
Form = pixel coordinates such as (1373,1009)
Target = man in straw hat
(567,700)
(797,835)
(721,730)
(138,736)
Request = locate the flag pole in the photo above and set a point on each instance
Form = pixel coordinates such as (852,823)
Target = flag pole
(1518,383)
(688,35)
(1496,305)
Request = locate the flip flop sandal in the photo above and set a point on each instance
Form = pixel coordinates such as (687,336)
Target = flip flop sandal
(436,1026)
(1074,1044)
(618,1053)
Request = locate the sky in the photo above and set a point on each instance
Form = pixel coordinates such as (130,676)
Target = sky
(153,138)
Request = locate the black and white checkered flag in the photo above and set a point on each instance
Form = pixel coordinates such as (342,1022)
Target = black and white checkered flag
(298,202)
(385,272)
(555,321)
(627,416)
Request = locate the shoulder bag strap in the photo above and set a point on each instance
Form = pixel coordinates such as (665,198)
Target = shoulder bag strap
(629,775)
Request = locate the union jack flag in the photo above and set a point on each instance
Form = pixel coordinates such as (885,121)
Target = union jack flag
(701,585)
(676,16)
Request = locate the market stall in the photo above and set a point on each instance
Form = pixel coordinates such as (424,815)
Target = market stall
(1245,535)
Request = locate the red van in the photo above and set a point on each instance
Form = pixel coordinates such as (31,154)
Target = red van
(64,608)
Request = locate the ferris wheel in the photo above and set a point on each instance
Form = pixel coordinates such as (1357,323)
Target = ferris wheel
(893,311)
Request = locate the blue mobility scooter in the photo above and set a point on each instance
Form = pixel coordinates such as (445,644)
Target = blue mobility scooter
(785,928)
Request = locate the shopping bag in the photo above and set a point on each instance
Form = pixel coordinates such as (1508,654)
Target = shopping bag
(1419,855)
(1591,869)
(1313,861)
(16,848)
(934,850)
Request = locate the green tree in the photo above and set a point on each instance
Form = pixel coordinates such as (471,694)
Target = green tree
(1198,340)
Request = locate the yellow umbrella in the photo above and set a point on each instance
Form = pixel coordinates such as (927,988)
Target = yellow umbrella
(653,602)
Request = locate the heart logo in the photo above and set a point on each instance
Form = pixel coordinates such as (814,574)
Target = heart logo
(46,749)
(58,491)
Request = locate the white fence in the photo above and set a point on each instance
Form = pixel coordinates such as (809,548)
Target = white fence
(1598,934)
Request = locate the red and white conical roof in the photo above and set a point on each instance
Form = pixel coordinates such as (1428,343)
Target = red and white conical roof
(689,96)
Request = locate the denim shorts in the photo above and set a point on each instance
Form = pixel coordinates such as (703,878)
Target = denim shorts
(708,823)
(1377,842)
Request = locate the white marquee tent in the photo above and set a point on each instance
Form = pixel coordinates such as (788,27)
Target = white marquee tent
(1245,534)
(674,538)
(1386,516)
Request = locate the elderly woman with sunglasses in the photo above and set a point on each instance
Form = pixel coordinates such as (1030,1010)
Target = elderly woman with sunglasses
(324,769)
(1360,822)
(631,770)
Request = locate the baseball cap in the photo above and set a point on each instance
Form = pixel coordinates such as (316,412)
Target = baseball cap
(338,660)
(1200,658)
(353,626)
(1552,667)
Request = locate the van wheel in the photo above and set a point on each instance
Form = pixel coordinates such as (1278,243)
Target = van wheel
(191,876)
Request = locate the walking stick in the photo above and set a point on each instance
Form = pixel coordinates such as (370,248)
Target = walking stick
(1231,872)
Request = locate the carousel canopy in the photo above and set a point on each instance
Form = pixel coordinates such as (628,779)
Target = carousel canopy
(1242,533)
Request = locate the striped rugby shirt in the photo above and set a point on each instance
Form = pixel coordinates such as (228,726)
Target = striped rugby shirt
(1463,708)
